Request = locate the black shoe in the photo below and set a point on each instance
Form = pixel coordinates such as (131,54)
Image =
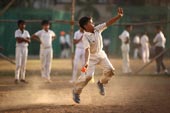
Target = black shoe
(16,81)
(101,88)
(24,81)
(76,97)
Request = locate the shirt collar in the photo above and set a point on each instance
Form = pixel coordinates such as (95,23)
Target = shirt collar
(45,31)
(89,33)
(21,31)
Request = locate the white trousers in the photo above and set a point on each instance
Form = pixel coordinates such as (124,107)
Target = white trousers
(46,56)
(79,57)
(21,54)
(145,54)
(136,52)
(97,59)
(125,55)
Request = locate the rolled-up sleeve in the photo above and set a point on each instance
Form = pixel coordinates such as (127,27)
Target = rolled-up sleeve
(17,34)
(38,33)
(27,34)
(101,27)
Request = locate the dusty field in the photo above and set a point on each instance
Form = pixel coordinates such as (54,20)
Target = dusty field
(143,93)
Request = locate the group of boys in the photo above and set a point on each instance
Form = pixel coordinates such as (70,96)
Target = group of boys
(23,39)
(159,46)
(89,47)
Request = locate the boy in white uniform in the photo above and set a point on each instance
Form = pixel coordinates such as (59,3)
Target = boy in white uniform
(145,48)
(45,37)
(136,42)
(125,38)
(94,54)
(79,52)
(159,42)
(22,40)
(62,44)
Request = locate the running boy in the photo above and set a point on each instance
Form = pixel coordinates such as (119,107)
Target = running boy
(45,37)
(22,41)
(94,54)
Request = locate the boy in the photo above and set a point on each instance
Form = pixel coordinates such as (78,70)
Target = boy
(22,41)
(45,37)
(136,43)
(94,54)
(125,38)
(79,52)
(159,42)
(145,47)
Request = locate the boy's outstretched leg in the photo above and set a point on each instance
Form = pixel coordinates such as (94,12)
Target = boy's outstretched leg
(79,85)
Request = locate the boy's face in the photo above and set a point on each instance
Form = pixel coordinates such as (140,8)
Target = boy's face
(22,26)
(89,27)
(46,26)
(158,30)
(130,28)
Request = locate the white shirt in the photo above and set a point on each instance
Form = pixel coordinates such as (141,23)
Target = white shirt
(124,37)
(106,42)
(77,36)
(136,40)
(45,38)
(25,34)
(144,41)
(67,38)
(62,40)
(160,40)
(94,40)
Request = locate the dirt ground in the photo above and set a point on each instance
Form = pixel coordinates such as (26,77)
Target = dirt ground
(142,93)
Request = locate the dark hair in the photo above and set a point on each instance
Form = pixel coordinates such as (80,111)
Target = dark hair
(127,26)
(45,22)
(158,27)
(20,22)
(83,21)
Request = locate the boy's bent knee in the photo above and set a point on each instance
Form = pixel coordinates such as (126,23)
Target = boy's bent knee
(109,72)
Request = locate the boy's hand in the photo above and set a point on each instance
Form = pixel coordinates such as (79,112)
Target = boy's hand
(120,11)
(86,64)
(114,19)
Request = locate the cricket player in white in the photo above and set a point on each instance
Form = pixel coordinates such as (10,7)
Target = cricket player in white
(136,42)
(45,36)
(79,53)
(159,42)
(125,38)
(145,48)
(94,54)
(22,41)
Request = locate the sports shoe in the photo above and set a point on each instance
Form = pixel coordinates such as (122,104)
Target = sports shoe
(101,88)
(24,81)
(49,81)
(76,97)
(166,71)
(16,81)
(71,81)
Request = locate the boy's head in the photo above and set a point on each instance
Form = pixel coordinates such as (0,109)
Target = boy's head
(128,27)
(45,24)
(87,24)
(21,24)
(158,29)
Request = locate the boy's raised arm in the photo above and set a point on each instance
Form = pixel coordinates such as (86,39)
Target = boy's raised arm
(114,19)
